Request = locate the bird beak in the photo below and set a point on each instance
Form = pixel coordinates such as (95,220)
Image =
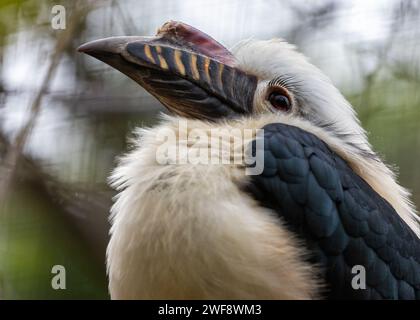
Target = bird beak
(189,72)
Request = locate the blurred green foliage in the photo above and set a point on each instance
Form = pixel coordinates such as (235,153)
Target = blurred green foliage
(33,241)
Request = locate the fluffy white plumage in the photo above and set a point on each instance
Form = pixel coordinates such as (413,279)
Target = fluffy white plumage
(189,232)
(322,104)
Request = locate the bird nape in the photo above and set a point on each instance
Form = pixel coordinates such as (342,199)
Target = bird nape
(320,216)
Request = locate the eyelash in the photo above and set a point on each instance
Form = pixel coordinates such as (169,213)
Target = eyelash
(287,81)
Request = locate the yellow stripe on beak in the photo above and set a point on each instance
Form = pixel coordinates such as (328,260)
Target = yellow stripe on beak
(148,54)
(162,61)
(221,67)
(194,70)
(178,63)
(207,68)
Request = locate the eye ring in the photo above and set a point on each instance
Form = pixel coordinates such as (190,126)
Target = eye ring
(280,99)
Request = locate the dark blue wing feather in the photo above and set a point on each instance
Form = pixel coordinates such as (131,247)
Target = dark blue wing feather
(343,221)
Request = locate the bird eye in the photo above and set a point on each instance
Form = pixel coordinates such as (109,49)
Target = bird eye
(280,101)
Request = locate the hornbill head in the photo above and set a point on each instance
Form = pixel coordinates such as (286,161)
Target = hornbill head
(196,77)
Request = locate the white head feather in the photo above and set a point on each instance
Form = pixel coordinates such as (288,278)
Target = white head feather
(318,100)
(320,103)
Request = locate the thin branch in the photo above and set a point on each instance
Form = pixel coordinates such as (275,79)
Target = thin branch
(14,154)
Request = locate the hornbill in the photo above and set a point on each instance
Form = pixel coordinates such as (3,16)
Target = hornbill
(322,203)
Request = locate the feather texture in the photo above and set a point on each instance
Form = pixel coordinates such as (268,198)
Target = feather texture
(344,221)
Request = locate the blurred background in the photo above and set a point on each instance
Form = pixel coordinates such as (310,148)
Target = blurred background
(64,117)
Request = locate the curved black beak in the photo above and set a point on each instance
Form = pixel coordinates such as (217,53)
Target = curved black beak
(189,72)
